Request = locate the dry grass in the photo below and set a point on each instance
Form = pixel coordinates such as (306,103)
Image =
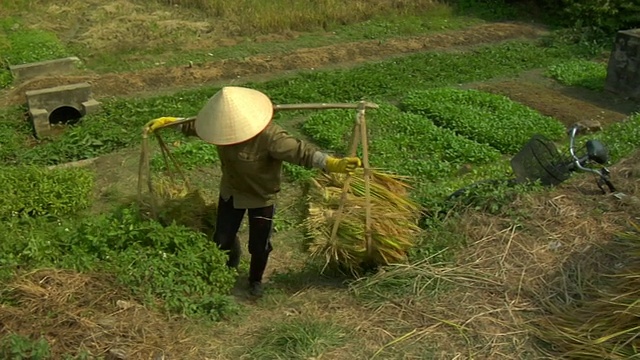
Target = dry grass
(509,271)
(134,25)
(264,17)
(596,317)
(76,312)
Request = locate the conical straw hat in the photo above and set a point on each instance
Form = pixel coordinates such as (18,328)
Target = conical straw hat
(233,115)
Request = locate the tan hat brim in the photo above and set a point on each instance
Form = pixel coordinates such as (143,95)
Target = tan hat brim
(233,115)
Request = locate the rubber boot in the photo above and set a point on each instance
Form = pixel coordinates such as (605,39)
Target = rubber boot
(234,254)
(256,271)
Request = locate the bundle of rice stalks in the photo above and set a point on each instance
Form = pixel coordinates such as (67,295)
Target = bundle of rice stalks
(174,202)
(605,323)
(393,222)
(169,200)
(385,187)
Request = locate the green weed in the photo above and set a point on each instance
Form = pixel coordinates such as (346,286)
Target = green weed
(297,339)
(172,264)
(18,347)
(583,73)
(35,191)
(486,118)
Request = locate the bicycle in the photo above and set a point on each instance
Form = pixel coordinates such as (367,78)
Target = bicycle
(539,161)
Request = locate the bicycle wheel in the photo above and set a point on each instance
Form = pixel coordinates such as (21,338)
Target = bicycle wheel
(540,160)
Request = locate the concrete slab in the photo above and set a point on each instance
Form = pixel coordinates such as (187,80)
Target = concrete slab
(40,121)
(59,95)
(29,71)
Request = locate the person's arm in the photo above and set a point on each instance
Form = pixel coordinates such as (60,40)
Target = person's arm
(283,146)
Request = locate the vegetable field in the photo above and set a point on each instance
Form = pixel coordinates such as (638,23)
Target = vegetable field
(88,273)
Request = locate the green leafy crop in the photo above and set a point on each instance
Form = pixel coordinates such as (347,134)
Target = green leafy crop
(35,191)
(621,138)
(583,73)
(190,154)
(120,122)
(18,347)
(486,118)
(173,264)
(403,143)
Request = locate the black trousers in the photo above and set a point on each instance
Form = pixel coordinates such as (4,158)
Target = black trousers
(260,230)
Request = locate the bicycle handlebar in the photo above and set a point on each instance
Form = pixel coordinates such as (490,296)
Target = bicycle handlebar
(602,173)
(572,135)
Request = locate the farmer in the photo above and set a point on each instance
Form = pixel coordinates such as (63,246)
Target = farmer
(251,149)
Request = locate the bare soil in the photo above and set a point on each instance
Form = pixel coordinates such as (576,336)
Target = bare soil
(567,104)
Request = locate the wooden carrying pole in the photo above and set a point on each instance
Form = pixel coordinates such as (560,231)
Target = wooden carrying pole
(359,136)
(309,106)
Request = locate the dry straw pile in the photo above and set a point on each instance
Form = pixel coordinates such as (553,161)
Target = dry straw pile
(393,219)
(604,321)
(91,312)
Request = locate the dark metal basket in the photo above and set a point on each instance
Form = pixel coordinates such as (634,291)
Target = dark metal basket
(540,160)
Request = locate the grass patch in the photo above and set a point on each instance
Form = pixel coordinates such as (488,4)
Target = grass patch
(621,138)
(20,45)
(14,346)
(381,28)
(298,339)
(583,73)
(131,36)
(486,118)
(417,280)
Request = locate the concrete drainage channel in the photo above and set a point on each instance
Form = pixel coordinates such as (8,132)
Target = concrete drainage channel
(55,106)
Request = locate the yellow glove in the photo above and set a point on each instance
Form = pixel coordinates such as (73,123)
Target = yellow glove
(344,165)
(160,122)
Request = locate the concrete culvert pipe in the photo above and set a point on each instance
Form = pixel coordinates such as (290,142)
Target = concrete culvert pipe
(65,115)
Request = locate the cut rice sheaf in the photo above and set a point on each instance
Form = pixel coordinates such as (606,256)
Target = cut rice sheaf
(394,219)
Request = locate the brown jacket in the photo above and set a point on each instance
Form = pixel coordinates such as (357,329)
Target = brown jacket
(251,170)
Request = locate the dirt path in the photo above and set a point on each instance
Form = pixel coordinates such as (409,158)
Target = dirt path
(162,78)
(567,104)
